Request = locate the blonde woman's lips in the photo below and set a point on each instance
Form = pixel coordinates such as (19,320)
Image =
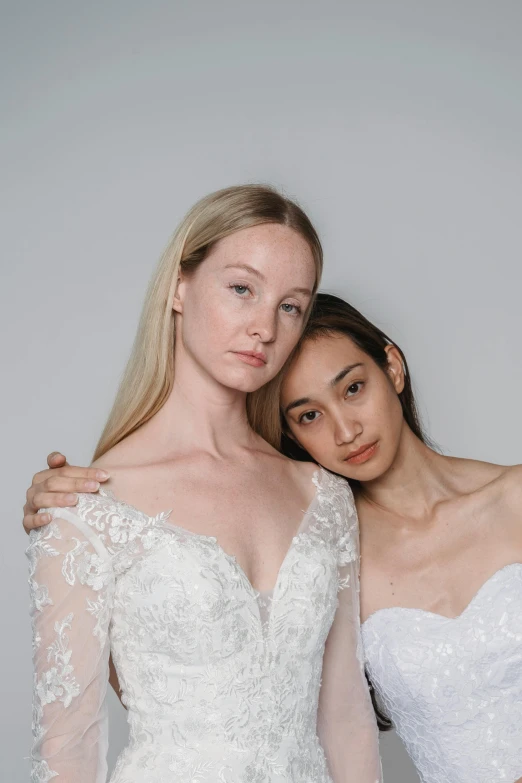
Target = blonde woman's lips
(253,358)
(362,455)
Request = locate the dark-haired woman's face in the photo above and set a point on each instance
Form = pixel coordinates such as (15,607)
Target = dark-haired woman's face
(343,409)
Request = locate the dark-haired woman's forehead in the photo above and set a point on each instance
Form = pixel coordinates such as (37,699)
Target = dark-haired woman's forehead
(321,364)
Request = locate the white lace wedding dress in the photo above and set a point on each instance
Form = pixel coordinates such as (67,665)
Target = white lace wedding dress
(453,687)
(222,683)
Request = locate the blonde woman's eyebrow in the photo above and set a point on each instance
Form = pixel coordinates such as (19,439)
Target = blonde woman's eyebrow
(247,268)
(305,291)
(257,273)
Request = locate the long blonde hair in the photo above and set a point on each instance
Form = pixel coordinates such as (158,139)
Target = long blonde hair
(149,376)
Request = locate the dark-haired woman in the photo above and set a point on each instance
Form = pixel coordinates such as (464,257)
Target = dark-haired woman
(441,544)
(441,551)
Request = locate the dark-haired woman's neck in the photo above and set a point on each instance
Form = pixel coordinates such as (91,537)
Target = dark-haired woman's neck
(417,480)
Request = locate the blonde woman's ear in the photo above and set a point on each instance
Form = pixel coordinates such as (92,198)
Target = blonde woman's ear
(395,367)
(177,302)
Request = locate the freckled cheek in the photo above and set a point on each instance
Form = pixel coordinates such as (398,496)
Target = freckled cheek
(207,335)
(219,322)
(286,339)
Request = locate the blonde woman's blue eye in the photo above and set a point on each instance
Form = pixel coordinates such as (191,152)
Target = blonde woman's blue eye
(241,290)
(291,308)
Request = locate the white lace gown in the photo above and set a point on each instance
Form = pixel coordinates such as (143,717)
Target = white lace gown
(222,683)
(453,687)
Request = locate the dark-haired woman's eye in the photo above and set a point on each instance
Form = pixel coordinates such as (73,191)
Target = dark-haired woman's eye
(354,388)
(308,417)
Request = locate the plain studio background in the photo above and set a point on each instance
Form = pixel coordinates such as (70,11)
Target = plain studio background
(397,125)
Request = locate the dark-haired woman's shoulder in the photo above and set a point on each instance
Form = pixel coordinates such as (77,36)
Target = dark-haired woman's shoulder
(493,494)
(506,480)
(474,475)
(511,480)
(501,488)
(489,483)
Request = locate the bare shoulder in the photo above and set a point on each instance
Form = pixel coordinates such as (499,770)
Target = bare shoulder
(499,486)
(296,469)
(474,474)
(306,469)
(511,486)
(120,456)
(301,471)
(130,475)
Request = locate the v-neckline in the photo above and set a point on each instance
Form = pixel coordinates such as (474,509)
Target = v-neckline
(164,517)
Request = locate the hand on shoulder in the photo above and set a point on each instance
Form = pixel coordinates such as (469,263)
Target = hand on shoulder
(58,487)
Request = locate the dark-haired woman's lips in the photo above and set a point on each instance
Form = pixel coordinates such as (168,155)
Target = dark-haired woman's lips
(362,455)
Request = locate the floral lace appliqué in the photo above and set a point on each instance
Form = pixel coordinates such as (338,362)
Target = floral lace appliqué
(222,682)
(453,687)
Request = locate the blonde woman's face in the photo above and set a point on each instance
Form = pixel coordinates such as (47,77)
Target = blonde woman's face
(343,409)
(241,311)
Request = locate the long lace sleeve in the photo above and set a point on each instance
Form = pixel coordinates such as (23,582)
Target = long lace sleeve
(346,721)
(71,585)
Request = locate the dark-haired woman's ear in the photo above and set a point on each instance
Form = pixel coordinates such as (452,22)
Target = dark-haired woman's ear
(292,448)
(395,367)
(287,432)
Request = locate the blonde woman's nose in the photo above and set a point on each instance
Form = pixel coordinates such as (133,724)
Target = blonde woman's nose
(263,325)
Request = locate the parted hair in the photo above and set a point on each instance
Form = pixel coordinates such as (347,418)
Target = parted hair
(149,375)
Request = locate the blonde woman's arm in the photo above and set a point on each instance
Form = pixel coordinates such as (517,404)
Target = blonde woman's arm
(347,725)
(71,584)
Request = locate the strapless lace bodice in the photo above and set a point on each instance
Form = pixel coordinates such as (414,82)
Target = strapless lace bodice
(453,687)
(222,683)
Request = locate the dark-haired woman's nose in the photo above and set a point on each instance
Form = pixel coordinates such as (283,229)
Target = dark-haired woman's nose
(345,430)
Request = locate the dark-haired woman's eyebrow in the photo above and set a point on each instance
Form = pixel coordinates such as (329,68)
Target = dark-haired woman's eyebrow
(343,373)
(297,404)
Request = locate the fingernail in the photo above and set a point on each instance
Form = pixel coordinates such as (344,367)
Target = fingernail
(92,486)
(45,518)
(102,475)
(71,499)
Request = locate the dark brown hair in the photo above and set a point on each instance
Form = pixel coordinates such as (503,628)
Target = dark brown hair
(332,315)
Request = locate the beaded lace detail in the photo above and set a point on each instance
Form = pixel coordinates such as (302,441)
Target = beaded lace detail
(222,683)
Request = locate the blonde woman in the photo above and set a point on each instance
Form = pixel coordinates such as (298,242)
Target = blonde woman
(220,575)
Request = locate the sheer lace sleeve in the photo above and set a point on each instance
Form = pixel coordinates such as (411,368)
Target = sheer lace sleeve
(71,585)
(346,721)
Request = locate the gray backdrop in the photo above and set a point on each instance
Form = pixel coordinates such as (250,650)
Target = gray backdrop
(397,125)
